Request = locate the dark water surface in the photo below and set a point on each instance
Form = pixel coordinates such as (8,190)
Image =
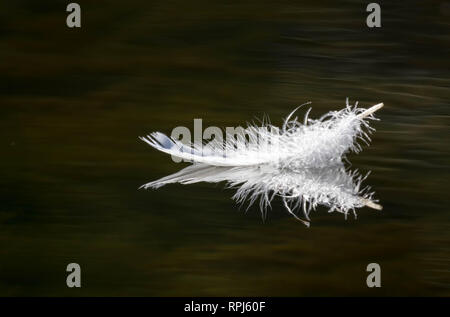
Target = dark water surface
(74,101)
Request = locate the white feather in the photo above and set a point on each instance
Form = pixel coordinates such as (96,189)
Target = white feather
(302,163)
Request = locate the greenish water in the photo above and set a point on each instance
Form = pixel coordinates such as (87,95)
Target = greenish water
(73,103)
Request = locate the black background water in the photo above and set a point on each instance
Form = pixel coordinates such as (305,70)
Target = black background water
(74,101)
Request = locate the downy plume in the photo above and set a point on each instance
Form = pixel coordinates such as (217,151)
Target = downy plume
(303,162)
